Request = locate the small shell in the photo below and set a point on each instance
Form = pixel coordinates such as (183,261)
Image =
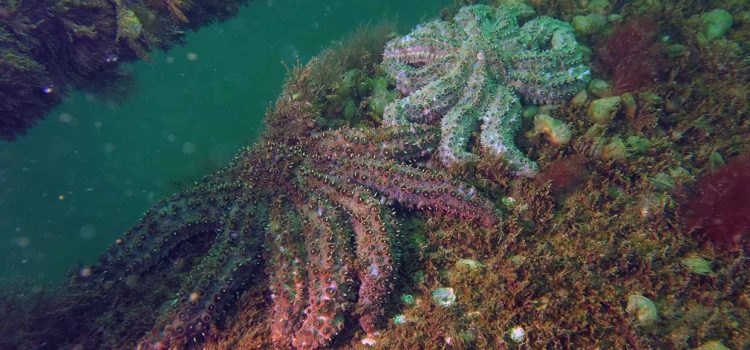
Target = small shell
(444,297)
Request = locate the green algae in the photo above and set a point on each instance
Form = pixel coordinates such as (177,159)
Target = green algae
(698,265)
(717,22)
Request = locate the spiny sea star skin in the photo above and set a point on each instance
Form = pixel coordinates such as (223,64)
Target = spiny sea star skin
(299,204)
(474,68)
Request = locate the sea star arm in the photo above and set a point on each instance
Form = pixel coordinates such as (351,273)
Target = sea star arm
(285,264)
(431,101)
(500,121)
(428,190)
(330,282)
(458,124)
(212,286)
(410,78)
(164,227)
(549,67)
(372,225)
(382,161)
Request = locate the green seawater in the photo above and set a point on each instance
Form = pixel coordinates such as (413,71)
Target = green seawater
(85,174)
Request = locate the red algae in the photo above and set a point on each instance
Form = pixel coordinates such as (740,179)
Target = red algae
(719,206)
(564,174)
(632,55)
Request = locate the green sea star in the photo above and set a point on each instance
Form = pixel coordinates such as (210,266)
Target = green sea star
(474,69)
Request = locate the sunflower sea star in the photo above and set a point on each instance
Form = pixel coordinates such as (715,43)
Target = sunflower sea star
(474,69)
(317,210)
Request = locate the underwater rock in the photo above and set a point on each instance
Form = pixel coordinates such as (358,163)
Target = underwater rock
(600,88)
(715,161)
(662,182)
(580,99)
(712,345)
(47,48)
(615,149)
(643,309)
(603,110)
(637,144)
(716,23)
(467,265)
(698,265)
(381,95)
(464,276)
(589,24)
(557,132)
(477,68)
(599,6)
(631,108)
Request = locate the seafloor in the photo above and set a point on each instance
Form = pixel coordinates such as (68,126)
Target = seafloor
(634,234)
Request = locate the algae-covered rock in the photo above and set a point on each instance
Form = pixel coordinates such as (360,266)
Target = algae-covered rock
(712,345)
(464,277)
(556,131)
(599,6)
(698,265)
(468,265)
(381,95)
(580,98)
(530,111)
(603,110)
(715,161)
(589,24)
(600,88)
(615,149)
(675,50)
(350,109)
(631,108)
(643,309)
(662,182)
(716,23)
(637,144)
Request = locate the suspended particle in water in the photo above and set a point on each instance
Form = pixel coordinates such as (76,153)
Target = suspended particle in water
(23,242)
(188,148)
(85,272)
(65,117)
(109,148)
(87,232)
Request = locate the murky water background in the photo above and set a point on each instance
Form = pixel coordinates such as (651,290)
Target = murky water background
(88,172)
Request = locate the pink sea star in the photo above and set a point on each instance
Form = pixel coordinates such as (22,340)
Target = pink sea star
(321,208)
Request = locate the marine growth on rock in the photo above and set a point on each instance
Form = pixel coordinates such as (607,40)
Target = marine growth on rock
(475,69)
